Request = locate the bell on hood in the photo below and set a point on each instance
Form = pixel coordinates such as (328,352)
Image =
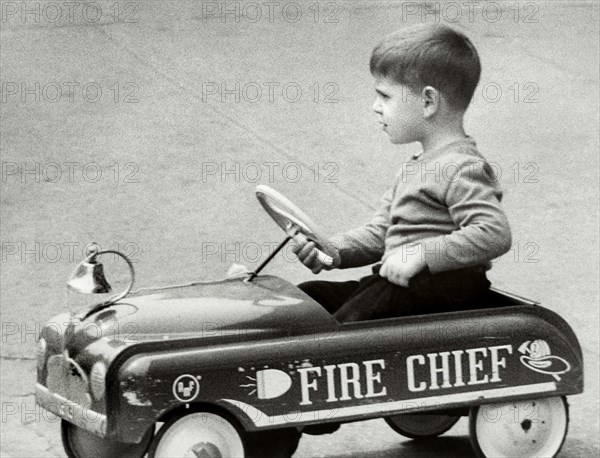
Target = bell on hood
(88,278)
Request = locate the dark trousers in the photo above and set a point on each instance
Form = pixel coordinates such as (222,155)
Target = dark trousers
(374,297)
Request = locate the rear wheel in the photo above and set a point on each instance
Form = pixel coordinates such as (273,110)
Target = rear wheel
(517,429)
(421,426)
(79,443)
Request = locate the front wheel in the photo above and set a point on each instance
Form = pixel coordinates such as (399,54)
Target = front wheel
(516,429)
(195,434)
(208,434)
(79,443)
(421,426)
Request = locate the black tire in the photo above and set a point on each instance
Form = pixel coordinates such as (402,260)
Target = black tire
(79,443)
(276,443)
(421,426)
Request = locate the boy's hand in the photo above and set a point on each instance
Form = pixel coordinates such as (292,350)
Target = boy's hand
(404,264)
(307,253)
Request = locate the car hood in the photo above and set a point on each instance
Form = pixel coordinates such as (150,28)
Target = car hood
(267,305)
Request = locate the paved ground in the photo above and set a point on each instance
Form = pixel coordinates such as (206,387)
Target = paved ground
(145,126)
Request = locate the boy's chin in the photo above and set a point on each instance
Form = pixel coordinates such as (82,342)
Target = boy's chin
(401,141)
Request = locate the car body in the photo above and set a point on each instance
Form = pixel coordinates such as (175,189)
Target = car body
(267,356)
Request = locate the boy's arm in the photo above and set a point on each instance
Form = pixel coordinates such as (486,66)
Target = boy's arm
(473,199)
(366,244)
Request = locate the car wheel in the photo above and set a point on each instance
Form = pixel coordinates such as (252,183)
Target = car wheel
(205,434)
(276,443)
(421,426)
(516,429)
(79,443)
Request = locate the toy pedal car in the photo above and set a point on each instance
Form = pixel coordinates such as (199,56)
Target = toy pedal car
(238,367)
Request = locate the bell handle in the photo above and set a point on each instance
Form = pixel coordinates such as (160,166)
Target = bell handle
(126,291)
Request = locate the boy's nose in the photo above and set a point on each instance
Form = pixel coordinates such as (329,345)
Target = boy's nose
(376,107)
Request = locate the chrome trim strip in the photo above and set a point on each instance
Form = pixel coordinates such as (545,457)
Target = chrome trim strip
(261,419)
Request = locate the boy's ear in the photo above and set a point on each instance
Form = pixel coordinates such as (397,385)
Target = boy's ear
(430,100)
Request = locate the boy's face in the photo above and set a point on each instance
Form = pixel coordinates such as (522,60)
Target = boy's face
(400,111)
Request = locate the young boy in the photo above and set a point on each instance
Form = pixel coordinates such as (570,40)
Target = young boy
(440,224)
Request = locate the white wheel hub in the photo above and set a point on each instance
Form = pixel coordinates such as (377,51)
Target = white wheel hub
(534,428)
(200,435)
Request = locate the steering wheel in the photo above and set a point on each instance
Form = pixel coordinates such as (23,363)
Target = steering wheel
(292,220)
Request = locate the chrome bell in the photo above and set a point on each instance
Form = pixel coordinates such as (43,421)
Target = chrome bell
(88,277)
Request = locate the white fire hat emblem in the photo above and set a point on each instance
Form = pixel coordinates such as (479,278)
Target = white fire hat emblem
(536,355)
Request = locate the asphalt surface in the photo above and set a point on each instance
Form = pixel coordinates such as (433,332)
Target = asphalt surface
(145,126)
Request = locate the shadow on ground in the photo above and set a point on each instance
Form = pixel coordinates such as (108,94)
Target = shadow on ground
(458,447)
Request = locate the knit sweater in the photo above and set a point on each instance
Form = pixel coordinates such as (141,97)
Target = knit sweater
(448,201)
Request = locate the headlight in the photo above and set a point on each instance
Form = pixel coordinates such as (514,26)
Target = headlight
(98,380)
(40,352)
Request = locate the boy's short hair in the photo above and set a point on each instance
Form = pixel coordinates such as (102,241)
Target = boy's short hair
(430,54)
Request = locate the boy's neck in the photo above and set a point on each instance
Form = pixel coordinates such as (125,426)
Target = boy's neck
(438,136)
